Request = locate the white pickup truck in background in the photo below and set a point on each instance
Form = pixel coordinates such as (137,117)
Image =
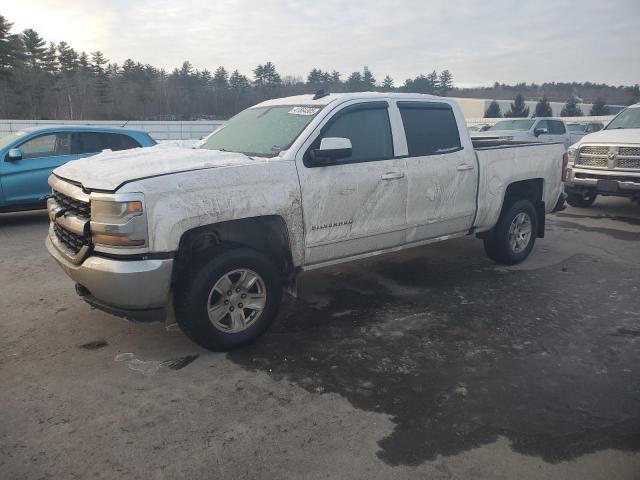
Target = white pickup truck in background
(288,185)
(606,162)
(525,130)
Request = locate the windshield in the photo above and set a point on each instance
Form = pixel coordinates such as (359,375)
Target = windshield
(513,125)
(262,131)
(629,118)
(577,128)
(10,138)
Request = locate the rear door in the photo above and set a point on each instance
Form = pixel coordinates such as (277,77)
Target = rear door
(358,204)
(441,173)
(25,181)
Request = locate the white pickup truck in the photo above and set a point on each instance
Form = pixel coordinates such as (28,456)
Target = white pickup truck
(525,130)
(216,233)
(606,162)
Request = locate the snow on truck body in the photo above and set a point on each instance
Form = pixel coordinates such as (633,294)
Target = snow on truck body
(288,185)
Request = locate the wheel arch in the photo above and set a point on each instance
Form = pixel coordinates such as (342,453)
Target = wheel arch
(531,189)
(266,234)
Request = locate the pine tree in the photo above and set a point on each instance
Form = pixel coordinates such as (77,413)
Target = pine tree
(445,83)
(571,108)
(84,64)
(35,48)
(6,47)
(237,81)
(186,70)
(50,59)
(101,83)
(266,75)
(68,58)
(493,111)
(335,77)
(387,84)
(354,82)
(599,108)
(432,82)
(518,108)
(221,78)
(543,108)
(368,80)
(315,77)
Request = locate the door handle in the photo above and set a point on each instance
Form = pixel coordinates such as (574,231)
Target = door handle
(464,166)
(392,176)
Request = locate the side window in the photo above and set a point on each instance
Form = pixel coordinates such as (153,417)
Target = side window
(368,129)
(51,145)
(430,129)
(543,124)
(557,127)
(117,141)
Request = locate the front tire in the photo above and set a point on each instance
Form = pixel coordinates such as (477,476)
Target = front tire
(229,300)
(580,200)
(512,239)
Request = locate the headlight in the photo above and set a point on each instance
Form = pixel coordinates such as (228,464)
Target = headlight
(116,223)
(571,154)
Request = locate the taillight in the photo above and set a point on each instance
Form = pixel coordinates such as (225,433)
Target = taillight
(565,163)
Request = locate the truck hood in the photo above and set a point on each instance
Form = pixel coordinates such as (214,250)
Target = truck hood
(622,135)
(109,170)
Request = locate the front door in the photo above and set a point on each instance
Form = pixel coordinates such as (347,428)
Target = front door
(24,181)
(358,204)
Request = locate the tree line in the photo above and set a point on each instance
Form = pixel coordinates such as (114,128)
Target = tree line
(40,80)
(518,108)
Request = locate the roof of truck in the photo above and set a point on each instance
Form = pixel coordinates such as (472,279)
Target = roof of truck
(327,99)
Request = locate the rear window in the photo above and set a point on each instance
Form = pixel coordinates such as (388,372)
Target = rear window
(430,129)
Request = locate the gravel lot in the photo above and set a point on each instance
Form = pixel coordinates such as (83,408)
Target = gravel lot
(434,363)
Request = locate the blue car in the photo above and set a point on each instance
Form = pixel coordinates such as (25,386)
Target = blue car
(28,156)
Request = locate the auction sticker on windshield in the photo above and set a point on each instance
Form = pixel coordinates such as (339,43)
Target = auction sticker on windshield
(303,111)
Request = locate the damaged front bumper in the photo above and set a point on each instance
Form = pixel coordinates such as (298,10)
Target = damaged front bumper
(134,289)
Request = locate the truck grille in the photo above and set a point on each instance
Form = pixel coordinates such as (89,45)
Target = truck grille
(629,151)
(594,150)
(629,157)
(598,157)
(72,241)
(73,206)
(593,156)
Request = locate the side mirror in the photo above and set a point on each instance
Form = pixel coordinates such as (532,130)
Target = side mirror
(540,131)
(14,155)
(331,149)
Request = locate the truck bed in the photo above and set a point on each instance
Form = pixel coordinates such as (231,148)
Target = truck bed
(502,165)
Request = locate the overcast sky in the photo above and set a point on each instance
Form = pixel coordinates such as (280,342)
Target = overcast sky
(479,41)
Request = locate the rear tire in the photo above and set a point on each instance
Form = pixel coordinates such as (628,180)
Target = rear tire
(229,300)
(512,239)
(580,200)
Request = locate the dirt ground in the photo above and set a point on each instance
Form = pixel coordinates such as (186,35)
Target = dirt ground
(434,363)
